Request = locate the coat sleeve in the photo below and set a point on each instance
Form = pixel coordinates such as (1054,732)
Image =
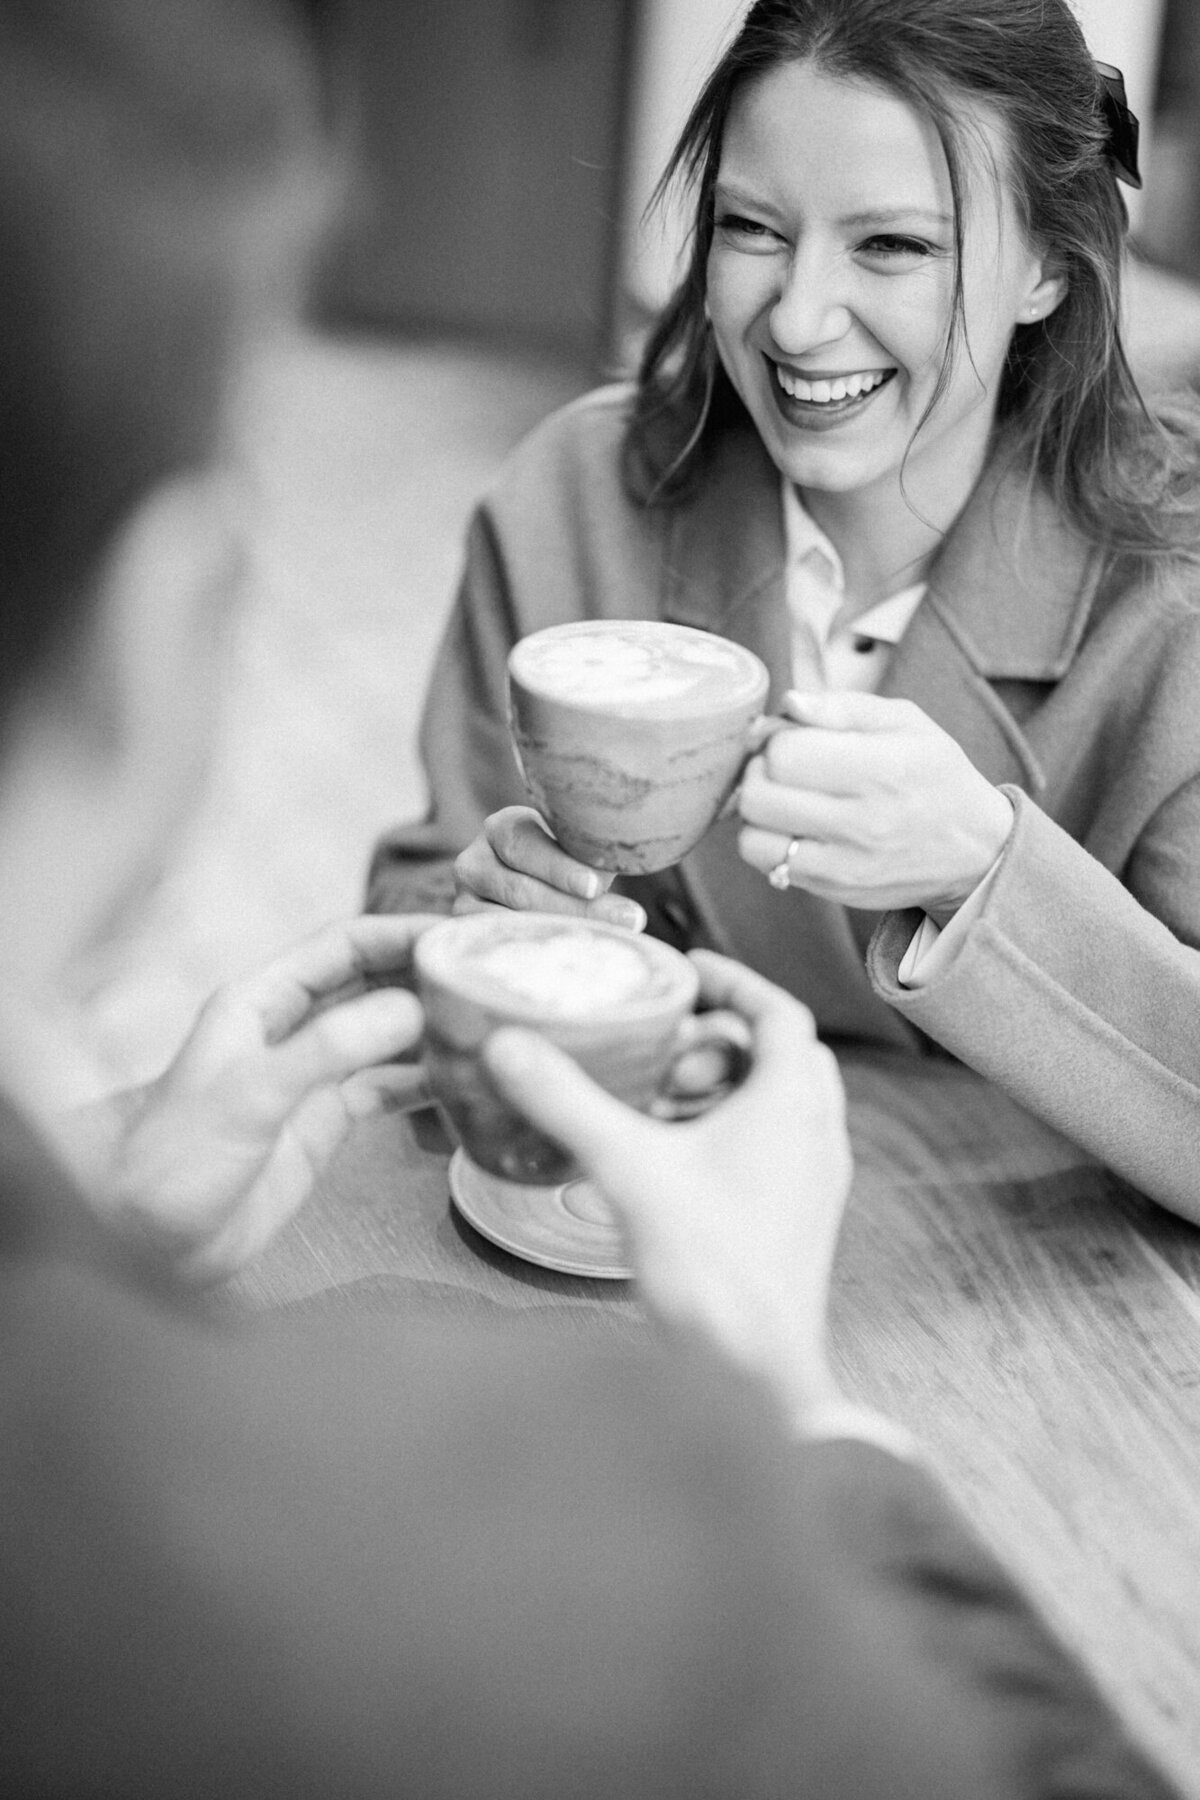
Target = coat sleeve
(1079,992)
(423,1557)
(464,743)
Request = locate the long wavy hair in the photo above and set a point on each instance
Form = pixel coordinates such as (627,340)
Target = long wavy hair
(1069,406)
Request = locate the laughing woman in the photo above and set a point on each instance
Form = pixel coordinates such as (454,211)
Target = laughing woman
(885,433)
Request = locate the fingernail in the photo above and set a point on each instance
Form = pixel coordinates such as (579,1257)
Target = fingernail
(587,884)
(626,913)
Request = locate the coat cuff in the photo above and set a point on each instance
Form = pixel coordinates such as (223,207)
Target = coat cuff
(1074,998)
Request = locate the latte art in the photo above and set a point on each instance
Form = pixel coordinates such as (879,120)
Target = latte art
(637,665)
(564,974)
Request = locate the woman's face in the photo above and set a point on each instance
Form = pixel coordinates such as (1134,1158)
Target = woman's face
(831,280)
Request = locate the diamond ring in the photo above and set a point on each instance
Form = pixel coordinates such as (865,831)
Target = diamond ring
(781,875)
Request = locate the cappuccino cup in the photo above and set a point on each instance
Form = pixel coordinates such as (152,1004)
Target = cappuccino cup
(632,734)
(622,1005)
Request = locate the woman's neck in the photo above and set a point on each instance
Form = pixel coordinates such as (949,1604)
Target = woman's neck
(888,535)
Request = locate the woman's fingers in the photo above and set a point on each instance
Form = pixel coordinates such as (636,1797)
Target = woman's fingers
(808,858)
(795,811)
(846,709)
(515,863)
(515,848)
(522,840)
(484,885)
(841,739)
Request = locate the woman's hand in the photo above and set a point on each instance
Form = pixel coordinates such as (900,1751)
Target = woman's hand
(732,1218)
(887,808)
(210,1160)
(515,863)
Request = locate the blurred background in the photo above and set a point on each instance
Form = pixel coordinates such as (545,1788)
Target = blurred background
(493,261)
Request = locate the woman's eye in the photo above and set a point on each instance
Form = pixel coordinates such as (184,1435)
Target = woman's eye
(890,247)
(736,225)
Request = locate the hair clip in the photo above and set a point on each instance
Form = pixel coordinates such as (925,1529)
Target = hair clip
(1122,125)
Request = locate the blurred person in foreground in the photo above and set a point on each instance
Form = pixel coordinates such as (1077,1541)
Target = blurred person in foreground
(415,1555)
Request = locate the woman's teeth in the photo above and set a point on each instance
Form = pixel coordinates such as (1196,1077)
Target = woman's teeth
(824,393)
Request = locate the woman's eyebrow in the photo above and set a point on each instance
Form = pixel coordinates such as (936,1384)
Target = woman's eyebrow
(892,215)
(730,191)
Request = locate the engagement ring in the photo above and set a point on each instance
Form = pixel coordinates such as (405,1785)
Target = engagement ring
(781,875)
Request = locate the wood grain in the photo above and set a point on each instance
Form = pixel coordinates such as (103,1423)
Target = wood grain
(1039,1329)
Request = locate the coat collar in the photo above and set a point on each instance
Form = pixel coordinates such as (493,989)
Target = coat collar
(1009,596)
(1013,582)
(724,562)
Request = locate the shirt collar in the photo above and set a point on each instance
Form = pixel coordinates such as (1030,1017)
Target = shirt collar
(1012,587)
(886,621)
(802,536)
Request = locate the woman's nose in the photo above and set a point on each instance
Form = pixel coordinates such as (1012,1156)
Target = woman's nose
(811,307)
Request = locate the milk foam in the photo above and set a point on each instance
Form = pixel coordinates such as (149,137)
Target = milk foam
(565,973)
(611,665)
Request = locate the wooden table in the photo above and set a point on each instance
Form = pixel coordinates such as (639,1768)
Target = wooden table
(1037,1326)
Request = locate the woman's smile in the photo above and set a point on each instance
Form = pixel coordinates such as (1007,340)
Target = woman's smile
(818,400)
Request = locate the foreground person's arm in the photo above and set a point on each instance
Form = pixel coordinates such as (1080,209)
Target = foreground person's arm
(459,1560)
(431,1556)
(434,1558)
(732,1245)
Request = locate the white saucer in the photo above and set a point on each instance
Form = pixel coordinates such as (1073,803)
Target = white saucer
(568,1228)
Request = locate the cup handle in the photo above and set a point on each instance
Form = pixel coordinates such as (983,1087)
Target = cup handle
(764,727)
(722,1036)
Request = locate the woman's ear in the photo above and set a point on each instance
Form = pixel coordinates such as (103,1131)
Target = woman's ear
(1048,292)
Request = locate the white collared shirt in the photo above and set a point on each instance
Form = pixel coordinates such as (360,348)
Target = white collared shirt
(828,651)
(831,653)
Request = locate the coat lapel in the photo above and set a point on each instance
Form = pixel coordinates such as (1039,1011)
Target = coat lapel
(1008,600)
(723,566)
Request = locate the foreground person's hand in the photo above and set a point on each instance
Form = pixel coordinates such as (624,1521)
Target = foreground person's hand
(732,1218)
(516,863)
(207,1162)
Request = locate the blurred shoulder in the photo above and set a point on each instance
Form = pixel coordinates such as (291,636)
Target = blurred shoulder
(576,451)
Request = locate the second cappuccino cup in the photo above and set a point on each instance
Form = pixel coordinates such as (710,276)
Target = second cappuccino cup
(620,1004)
(632,734)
